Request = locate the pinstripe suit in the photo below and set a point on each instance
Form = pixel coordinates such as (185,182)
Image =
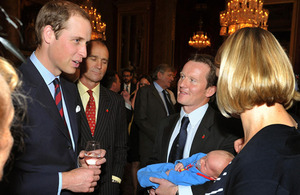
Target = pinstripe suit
(110,131)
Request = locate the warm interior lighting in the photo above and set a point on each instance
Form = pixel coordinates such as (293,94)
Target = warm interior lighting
(98,27)
(200,39)
(243,13)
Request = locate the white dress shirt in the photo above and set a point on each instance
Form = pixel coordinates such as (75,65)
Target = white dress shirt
(195,118)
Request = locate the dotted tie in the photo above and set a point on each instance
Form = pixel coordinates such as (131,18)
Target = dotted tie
(91,112)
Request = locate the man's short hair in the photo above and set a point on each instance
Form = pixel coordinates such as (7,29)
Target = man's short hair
(109,78)
(89,47)
(162,68)
(127,70)
(211,77)
(56,14)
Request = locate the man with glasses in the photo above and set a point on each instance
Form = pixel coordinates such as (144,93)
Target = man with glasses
(103,117)
(127,84)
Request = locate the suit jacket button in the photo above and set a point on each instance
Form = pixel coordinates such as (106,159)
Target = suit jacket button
(69,147)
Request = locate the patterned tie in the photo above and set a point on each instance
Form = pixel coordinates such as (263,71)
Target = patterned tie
(179,142)
(90,112)
(170,106)
(58,100)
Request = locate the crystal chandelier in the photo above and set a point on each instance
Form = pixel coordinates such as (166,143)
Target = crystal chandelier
(243,13)
(200,39)
(98,27)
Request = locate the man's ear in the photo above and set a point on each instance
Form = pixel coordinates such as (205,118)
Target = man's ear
(48,34)
(210,91)
(159,75)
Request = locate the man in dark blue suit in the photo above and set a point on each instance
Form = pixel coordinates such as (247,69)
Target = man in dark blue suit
(49,163)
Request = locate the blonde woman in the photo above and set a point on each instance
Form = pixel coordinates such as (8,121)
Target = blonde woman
(256,82)
(8,82)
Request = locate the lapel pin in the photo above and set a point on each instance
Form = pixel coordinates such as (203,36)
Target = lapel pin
(203,136)
(106,110)
(77,108)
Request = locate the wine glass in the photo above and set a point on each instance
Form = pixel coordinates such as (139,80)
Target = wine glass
(92,152)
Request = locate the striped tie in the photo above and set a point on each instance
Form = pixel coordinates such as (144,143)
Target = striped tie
(58,100)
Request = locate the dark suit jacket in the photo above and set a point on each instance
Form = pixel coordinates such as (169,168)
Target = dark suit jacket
(149,110)
(48,147)
(132,88)
(111,132)
(212,134)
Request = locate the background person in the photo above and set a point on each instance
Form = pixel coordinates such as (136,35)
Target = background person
(150,107)
(127,84)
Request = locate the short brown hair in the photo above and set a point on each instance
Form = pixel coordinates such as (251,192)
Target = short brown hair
(56,14)
(254,70)
(211,77)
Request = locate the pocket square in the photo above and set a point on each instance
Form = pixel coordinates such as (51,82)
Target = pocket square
(77,108)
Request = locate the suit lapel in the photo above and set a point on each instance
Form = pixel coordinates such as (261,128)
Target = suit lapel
(156,94)
(203,131)
(70,102)
(40,93)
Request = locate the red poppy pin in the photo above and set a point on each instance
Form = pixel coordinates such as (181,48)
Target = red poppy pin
(203,136)
(106,110)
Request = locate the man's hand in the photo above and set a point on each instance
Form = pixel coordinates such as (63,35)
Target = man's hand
(126,96)
(165,187)
(81,179)
(99,162)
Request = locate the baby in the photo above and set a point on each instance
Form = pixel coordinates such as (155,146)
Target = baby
(195,170)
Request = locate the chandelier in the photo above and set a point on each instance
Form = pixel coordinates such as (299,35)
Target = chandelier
(98,27)
(243,13)
(200,39)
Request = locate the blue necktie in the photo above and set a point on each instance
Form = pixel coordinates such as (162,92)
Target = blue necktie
(176,152)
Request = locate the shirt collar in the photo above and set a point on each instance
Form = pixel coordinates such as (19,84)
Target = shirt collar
(83,89)
(45,73)
(196,115)
(158,87)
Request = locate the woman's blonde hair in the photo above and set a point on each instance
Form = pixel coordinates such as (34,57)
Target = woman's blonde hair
(10,92)
(254,70)
(9,73)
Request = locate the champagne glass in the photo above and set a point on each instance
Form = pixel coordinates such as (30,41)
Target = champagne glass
(92,152)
